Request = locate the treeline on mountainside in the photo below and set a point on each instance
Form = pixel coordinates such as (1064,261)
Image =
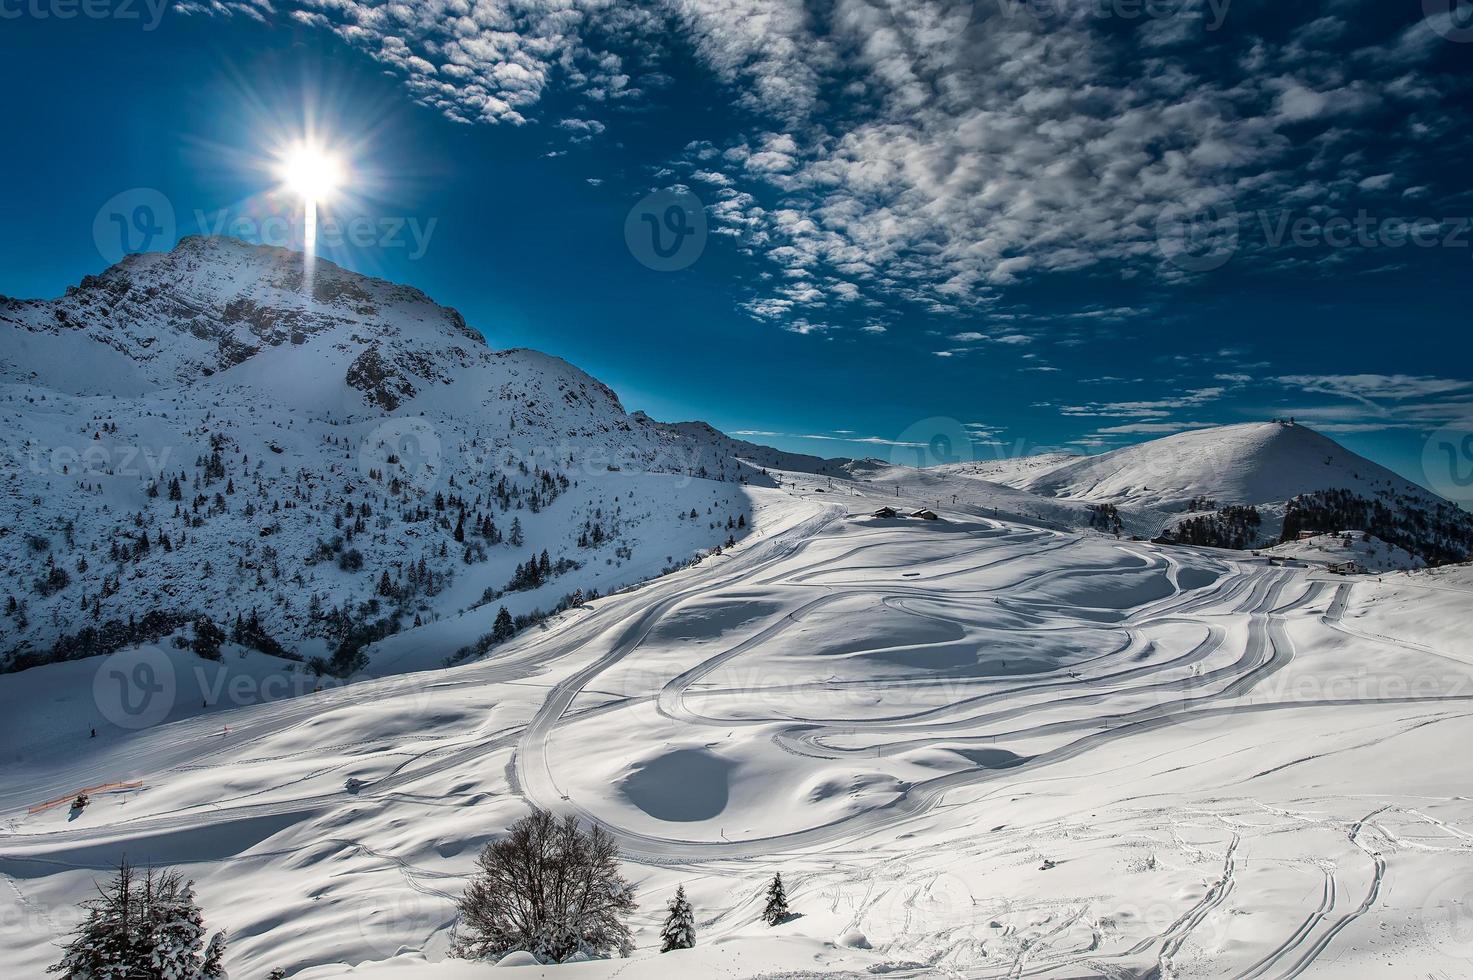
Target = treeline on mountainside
(1231,527)
(1439,534)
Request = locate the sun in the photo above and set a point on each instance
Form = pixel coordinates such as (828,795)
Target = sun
(311,172)
(315,175)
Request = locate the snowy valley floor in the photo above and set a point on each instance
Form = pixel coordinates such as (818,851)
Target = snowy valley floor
(993,749)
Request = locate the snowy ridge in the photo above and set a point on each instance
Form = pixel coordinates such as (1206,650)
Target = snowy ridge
(1013,472)
(194,434)
(1252,463)
(298,449)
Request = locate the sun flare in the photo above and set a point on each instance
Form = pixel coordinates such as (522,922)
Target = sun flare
(311,172)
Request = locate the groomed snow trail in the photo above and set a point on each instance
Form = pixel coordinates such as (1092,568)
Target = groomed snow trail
(995,749)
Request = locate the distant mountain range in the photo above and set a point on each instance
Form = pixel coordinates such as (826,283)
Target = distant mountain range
(213,439)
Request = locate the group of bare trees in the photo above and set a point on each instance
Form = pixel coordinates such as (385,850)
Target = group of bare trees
(554,890)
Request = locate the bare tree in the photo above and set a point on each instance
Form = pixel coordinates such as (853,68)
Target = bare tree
(547,888)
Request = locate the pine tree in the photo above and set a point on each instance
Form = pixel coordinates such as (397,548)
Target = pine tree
(213,967)
(777,902)
(142,928)
(503,629)
(207,638)
(679,931)
(178,935)
(515,538)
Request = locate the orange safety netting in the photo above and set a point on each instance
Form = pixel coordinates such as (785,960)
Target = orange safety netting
(101,788)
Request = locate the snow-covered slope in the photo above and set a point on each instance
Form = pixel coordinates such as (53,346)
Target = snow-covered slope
(972,747)
(1241,485)
(215,433)
(1252,463)
(1014,471)
(212,431)
(1365,550)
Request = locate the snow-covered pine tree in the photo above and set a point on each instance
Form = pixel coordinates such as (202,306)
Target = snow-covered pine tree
(149,928)
(679,931)
(777,902)
(213,967)
(177,928)
(105,938)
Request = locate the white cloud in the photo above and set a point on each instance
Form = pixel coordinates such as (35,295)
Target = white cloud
(908,152)
(1368,387)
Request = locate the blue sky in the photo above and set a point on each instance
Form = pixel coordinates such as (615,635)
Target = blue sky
(1041,223)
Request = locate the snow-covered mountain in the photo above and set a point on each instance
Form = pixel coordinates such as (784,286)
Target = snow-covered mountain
(211,432)
(1253,463)
(212,438)
(1013,471)
(1239,485)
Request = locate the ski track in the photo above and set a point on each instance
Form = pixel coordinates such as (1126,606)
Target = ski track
(1133,689)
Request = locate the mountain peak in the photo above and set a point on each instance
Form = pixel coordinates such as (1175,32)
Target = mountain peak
(211,304)
(1246,463)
